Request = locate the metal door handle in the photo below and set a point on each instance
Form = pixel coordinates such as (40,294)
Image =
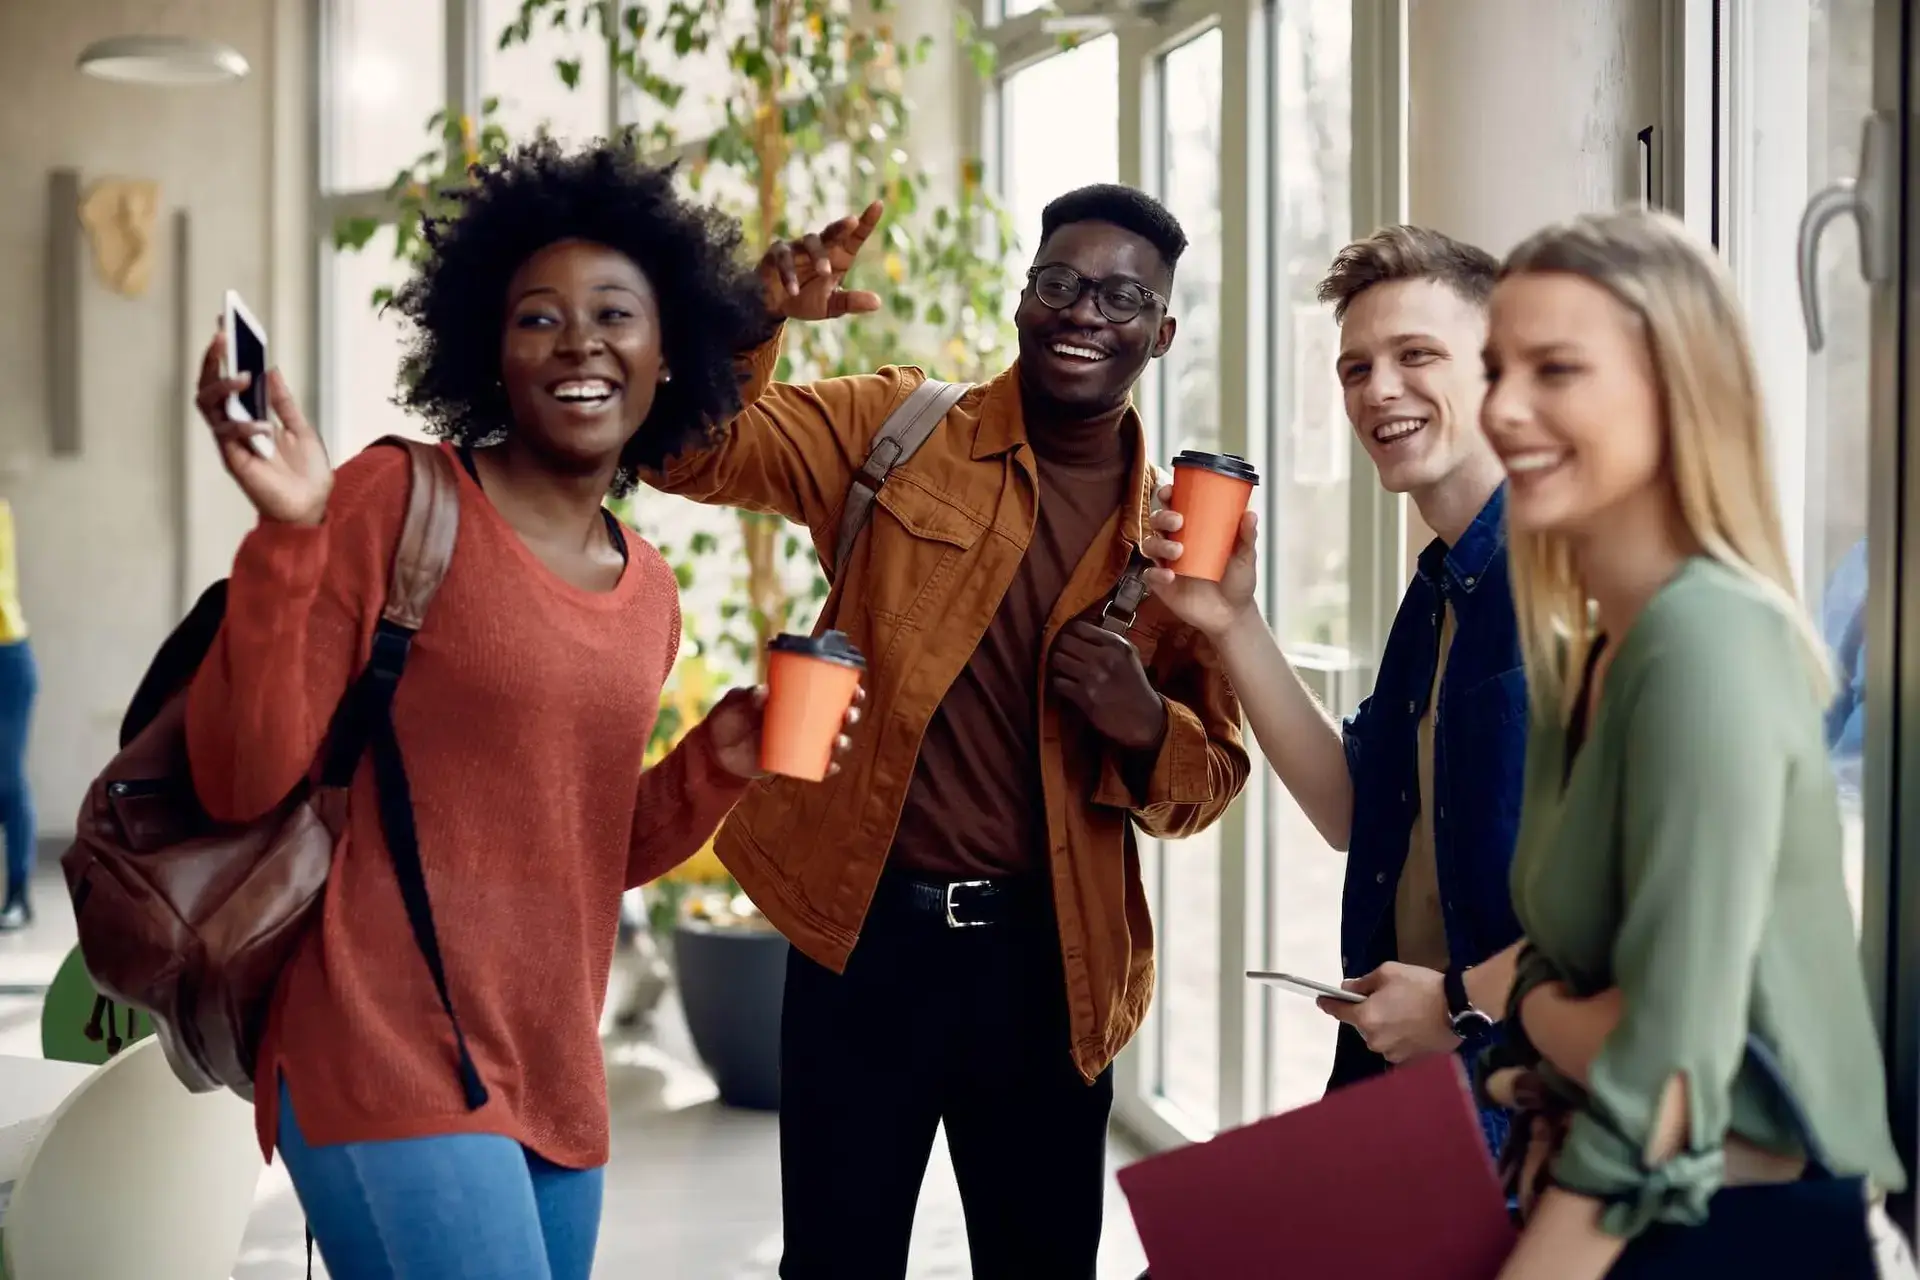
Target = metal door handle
(1870,199)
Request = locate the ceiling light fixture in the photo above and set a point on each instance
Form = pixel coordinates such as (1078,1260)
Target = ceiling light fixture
(169,61)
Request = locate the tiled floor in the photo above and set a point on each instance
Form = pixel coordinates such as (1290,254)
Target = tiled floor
(693,1192)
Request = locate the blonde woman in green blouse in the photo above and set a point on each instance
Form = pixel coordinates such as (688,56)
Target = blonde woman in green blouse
(1678,867)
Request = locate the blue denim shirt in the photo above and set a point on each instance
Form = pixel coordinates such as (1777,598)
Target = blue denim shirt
(1479,753)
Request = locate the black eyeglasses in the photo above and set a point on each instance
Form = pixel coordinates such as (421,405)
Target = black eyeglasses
(1059,287)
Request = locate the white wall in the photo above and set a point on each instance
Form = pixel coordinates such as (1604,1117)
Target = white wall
(1523,112)
(111,539)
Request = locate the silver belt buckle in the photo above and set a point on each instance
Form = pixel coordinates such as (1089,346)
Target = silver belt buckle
(954,922)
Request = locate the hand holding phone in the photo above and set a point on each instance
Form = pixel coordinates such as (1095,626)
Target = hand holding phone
(266,442)
(246,355)
(1306,986)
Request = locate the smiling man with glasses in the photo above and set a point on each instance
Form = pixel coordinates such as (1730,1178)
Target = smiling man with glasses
(971,939)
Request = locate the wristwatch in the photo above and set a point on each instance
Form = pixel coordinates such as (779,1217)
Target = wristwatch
(1466,1021)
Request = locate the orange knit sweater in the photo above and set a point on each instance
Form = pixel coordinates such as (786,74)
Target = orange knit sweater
(524,716)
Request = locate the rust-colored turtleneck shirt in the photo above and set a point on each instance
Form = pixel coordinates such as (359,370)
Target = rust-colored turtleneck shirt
(975,808)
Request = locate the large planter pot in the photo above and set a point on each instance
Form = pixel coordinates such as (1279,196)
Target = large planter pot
(731,983)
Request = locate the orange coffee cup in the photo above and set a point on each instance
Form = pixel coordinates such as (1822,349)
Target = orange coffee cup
(1211,492)
(810,684)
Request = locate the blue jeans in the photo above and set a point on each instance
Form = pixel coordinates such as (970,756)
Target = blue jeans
(464,1206)
(19,681)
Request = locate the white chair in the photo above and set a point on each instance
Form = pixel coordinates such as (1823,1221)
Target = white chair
(134,1176)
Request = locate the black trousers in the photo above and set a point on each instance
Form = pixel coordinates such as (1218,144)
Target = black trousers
(932,1024)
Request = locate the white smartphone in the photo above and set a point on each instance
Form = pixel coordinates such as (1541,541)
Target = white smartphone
(1306,986)
(247,353)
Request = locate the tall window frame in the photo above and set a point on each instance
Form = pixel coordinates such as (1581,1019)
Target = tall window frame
(1740,73)
(1255,367)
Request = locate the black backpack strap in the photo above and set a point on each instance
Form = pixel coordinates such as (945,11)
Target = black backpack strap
(364,722)
(377,685)
(179,657)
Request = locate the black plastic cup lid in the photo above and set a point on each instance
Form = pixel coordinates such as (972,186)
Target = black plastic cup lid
(829,646)
(1231,465)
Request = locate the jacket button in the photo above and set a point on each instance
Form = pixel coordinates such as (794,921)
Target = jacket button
(1469,580)
(1403,797)
(1379,877)
(1343,960)
(1409,706)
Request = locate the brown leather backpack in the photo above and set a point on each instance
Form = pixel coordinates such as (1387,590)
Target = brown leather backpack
(192,921)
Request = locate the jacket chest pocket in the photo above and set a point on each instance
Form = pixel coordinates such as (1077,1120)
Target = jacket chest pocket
(919,547)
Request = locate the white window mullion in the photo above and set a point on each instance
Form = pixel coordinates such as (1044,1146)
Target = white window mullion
(1687,113)
(1247,397)
(463,56)
(1140,1073)
(1766,97)
(1376,519)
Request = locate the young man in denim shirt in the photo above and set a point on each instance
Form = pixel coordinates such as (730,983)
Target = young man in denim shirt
(1422,786)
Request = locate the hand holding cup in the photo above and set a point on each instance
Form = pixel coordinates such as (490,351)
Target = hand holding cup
(1211,606)
(813,686)
(738,728)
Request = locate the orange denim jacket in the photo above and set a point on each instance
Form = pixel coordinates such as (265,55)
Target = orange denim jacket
(948,531)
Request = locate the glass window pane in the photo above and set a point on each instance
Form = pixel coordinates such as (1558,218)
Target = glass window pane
(385,74)
(1014,8)
(1190,187)
(1829,488)
(1040,159)
(526,78)
(1189,412)
(361,360)
(1306,529)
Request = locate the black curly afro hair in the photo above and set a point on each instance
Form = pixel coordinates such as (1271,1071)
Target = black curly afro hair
(712,304)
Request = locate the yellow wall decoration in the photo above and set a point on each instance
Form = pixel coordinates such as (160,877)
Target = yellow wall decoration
(118,214)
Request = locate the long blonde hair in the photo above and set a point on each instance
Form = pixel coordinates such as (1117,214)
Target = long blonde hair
(1710,402)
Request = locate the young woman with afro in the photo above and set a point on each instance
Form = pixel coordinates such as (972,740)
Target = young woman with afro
(575,319)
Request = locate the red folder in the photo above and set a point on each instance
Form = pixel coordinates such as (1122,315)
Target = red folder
(1388,1179)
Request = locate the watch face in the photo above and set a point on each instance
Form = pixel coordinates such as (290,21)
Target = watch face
(1471,1022)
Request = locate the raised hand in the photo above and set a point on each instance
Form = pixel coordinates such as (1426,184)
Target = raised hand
(803,276)
(734,725)
(288,482)
(1210,607)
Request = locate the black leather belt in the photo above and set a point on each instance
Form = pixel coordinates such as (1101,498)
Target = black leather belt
(958,904)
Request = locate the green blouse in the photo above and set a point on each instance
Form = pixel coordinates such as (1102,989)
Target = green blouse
(1693,860)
